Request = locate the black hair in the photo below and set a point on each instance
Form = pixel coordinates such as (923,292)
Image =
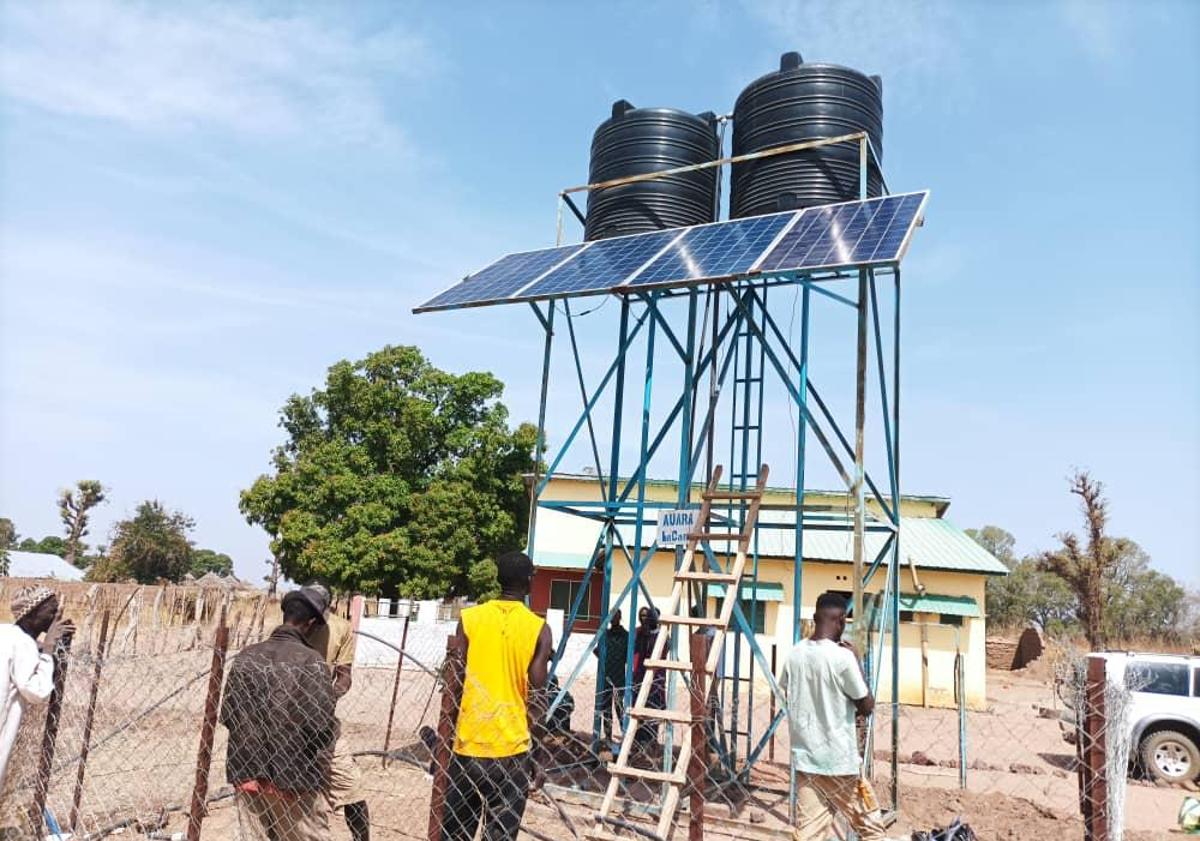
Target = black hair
(297,611)
(831,601)
(514,569)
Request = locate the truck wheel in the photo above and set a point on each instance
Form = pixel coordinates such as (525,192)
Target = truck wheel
(1171,757)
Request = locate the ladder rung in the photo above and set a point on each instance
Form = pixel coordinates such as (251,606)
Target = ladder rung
(660,715)
(672,665)
(698,621)
(716,535)
(689,575)
(644,774)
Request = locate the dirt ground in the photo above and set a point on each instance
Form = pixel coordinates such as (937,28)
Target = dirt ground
(1021,780)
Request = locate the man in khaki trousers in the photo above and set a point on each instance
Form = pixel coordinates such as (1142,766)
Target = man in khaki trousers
(824,687)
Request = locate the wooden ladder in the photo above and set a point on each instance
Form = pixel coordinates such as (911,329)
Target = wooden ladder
(690,570)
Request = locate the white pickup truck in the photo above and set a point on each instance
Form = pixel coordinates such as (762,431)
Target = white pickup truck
(1164,718)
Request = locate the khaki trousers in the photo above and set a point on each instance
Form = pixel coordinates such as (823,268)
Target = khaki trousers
(271,817)
(819,798)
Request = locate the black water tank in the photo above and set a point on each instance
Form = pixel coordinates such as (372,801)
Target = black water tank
(640,140)
(804,102)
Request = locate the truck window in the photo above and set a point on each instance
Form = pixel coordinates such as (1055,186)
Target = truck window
(1157,678)
(1196,682)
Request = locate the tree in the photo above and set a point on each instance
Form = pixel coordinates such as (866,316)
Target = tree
(997,541)
(395,477)
(73,508)
(8,537)
(1086,568)
(150,546)
(1142,602)
(51,544)
(206,560)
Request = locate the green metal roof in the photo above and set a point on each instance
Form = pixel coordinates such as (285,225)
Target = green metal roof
(932,543)
(930,603)
(765,591)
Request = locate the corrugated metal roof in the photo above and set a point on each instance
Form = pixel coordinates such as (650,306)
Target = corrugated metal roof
(931,543)
(41,565)
(931,603)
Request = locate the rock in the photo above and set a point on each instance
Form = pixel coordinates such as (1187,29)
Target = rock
(758,816)
(919,758)
(1022,768)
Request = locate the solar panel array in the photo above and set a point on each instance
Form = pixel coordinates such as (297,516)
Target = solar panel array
(859,233)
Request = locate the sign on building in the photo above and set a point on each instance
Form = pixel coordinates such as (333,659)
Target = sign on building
(674,526)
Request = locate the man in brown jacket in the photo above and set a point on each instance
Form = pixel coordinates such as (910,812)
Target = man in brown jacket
(279,709)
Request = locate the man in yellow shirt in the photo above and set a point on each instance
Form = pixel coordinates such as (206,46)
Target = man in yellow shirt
(507,651)
(334,640)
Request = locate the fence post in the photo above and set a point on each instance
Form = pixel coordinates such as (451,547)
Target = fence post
(698,764)
(452,681)
(387,737)
(1094,753)
(88,721)
(50,734)
(208,729)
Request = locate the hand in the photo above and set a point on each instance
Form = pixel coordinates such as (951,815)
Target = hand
(58,629)
(849,646)
(538,778)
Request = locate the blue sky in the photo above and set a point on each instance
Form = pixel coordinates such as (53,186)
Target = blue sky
(203,206)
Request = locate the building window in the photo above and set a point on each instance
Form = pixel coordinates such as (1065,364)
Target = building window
(563,594)
(906,616)
(755,613)
(950,619)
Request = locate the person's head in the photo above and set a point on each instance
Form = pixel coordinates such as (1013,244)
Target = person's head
(616,619)
(34,609)
(304,609)
(515,572)
(643,616)
(829,619)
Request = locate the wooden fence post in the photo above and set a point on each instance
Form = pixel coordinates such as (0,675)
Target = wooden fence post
(697,769)
(88,721)
(387,736)
(208,729)
(1094,754)
(41,785)
(452,681)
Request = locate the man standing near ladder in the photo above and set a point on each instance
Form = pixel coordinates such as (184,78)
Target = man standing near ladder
(823,684)
(507,650)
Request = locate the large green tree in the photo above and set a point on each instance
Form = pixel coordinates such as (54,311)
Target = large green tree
(396,477)
(73,507)
(51,544)
(8,537)
(1028,594)
(206,560)
(150,546)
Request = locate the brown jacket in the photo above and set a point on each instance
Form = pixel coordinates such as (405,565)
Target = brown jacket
(278,707)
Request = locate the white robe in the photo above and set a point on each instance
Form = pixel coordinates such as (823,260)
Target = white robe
(26,677)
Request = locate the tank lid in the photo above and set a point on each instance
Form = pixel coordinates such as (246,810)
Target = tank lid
(790,61)
(620,107)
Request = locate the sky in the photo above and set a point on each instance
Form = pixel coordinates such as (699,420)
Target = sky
(203,206)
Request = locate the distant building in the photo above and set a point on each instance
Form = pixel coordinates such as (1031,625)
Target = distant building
(940,619)
(41,565)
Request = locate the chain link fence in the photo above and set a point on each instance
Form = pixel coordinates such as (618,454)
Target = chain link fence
(127,759)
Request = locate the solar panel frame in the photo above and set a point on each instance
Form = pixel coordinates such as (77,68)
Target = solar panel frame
(812,233)
(746,257)
(558,255)
(915,201)
(626,263)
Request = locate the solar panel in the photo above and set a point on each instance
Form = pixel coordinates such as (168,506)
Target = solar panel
(854,233)
(857,233)
(718,250)
(501,279)
(607,263)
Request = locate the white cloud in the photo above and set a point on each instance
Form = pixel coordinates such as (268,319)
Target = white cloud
(912,43)
(227,68)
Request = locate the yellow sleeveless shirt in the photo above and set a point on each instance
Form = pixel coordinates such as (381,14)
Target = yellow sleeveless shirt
(492,719)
